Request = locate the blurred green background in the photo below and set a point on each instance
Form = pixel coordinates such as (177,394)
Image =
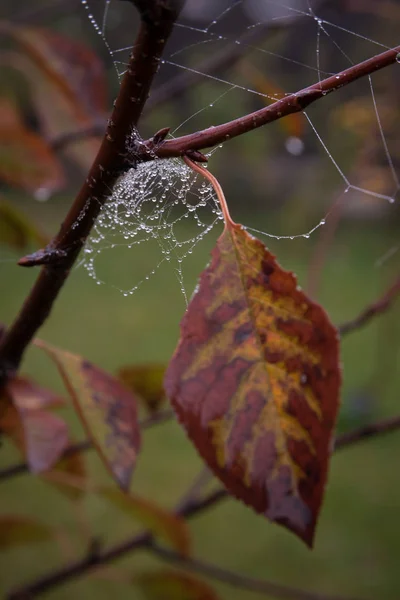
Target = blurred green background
(357,544)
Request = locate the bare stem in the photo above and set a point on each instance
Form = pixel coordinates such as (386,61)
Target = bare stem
(367,432)
(286,106)
(187,509)
(81,566)
(237,580)
(377,308)
(216,185)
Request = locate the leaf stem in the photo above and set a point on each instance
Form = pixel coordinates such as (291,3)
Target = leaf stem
(216,185)
(380,306)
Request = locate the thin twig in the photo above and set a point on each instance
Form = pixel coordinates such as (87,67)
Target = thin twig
(250,584)
(191,508)
(367,432)
(288,105)
(23,467)
(84,564)
(178,85)
(377,308)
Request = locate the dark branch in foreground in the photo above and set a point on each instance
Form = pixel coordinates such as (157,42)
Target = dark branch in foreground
(377,308)
(188,509)
(157,20)
(286,106)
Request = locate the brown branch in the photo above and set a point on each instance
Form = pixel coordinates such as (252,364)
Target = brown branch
(157,20)
(250,584)
(178,85)
(375,309)
(292,103)
(366,432)
(23,467)
(187,510)
(80,566)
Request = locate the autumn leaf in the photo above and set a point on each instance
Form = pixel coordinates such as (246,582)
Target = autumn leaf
(16,530)
(255,380)
(107,409)
(26,159)
(68,86)
(16,230)
(41,436)
(172,585)
(28,395)
(147,382)
(162,523)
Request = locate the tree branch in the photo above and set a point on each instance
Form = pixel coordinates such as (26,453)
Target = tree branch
(250,584)
(178,85)
(366,432)
(157,20)
(292,103)
(377,308)
(192,507)
(80,566)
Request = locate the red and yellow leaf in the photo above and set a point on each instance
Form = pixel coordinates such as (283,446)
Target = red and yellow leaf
(147,382)
(162,523)
(173,585)
(16,530)
(108,411)
(255,381)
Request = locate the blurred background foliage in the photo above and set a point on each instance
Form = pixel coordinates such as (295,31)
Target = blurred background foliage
(269,185)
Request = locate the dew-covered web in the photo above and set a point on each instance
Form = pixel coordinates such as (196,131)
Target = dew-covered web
(152,203)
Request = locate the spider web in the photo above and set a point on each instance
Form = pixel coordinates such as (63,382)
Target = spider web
(154,203)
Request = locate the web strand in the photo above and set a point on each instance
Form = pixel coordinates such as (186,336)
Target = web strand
(128,214)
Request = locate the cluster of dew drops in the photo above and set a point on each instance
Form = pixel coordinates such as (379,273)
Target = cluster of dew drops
(154,201)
